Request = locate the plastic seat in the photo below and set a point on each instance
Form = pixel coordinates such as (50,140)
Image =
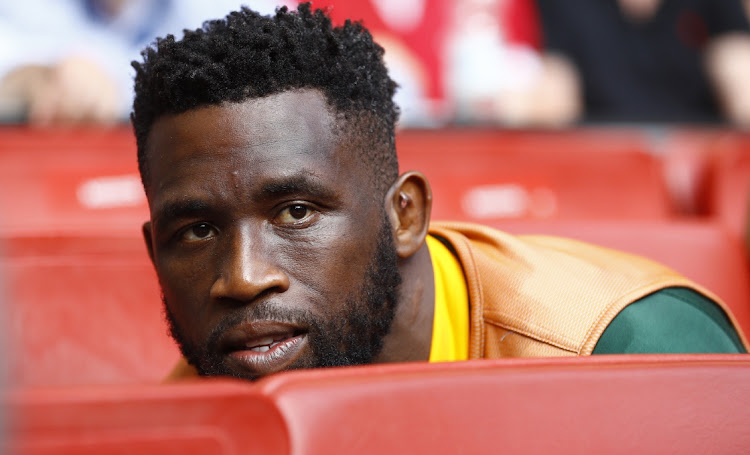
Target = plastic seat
(491,175)
(83,311)
(687,404)
(79,180)
(708,172)
(210,417)
(613,405)
(729,182)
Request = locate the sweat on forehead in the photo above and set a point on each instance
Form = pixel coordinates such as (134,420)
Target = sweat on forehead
(247,55)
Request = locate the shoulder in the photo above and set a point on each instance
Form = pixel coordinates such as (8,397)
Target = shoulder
(557,291)
(672,320)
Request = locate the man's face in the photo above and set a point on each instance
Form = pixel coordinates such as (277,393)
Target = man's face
(269,247)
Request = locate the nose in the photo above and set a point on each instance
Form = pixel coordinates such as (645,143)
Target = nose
(247,270)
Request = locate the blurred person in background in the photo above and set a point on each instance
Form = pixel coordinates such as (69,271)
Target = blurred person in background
(495,72)
(469,61)
(465,61)
(68,61)
(652,60)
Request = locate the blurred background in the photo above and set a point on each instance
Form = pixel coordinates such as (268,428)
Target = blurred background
(622,122)
(508,63)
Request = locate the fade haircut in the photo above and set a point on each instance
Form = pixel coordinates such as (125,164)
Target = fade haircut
(247,55)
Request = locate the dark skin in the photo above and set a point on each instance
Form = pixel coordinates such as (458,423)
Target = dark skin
(259,205)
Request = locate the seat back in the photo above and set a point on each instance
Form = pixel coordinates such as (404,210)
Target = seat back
(688,404)
(210,417)
(615,405)
(82,310)
(729,182)
(490,175)
(70,181)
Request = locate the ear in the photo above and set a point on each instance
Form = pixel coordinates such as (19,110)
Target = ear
(408,204)
(146,230)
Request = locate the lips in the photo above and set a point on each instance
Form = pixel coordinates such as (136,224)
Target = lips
(260,348)
(268,343)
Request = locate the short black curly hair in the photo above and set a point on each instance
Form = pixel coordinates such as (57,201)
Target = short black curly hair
(247,55)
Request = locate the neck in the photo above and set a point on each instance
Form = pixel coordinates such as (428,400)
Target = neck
(410,338)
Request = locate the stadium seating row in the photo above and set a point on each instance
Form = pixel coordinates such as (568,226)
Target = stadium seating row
(490,176)
(693,404)
(69,181)
(87,181)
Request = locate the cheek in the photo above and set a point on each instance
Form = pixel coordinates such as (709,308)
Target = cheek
(334,266)
(184,286)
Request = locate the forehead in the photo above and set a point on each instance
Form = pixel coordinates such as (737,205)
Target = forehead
(257,124)
(279,135)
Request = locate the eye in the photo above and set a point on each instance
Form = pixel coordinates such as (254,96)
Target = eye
(293,214)
(197,232)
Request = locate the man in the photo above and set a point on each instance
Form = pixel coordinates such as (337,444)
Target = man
(283,236)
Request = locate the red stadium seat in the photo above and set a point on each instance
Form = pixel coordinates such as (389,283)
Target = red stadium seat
(708,173)
(686,156)
(702,251)
(490,175)
(79,180)
(83,310)
(613,405)
(210,417)
(729,182)
(687,404)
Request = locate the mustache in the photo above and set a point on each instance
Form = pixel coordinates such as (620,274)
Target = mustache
(260,312)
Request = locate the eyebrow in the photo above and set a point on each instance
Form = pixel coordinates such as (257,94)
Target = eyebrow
(298,184)
(179,209)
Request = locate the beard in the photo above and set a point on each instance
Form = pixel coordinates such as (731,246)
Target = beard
(351,336)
